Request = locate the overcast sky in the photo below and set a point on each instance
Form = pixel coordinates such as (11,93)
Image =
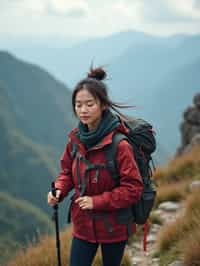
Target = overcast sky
(83,18)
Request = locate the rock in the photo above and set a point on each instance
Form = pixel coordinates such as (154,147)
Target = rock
(169,206)
(155,262)
(176,263)
(151,238)
(136,246)
(157,212)
(196,100)
(137,260)
(195,185)
(193,117)
(196,139)
(155,228)
(185,134)
(190,127)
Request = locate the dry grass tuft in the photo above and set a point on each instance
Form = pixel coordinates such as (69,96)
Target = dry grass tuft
(183,236)
(191,249)
(169,235)
(44,253)
(172,192)
(155,218)
(182,167)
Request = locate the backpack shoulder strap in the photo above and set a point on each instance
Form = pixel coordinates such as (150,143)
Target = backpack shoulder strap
(74,150)
(111,152)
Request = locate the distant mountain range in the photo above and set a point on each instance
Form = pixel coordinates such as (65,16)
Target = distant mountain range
(160,78)
(141,68)
(71,62)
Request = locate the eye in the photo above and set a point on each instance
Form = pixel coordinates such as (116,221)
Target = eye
(77,105)
(90,104)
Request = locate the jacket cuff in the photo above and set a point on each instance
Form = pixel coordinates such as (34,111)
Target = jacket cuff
(98,202)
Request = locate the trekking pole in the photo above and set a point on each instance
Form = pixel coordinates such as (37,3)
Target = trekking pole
(55,218)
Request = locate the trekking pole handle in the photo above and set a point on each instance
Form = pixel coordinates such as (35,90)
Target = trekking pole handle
(53,191)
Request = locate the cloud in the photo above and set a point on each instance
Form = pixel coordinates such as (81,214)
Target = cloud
(67,8)
(17,8)
(70,13)
(197,4)
(45,7)
(92,17)
(170,11)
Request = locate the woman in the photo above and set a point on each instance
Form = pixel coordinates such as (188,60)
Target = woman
(97,198)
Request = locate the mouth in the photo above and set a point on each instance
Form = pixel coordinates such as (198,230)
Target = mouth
(84,117)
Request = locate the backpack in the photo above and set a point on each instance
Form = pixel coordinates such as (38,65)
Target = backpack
(142,139)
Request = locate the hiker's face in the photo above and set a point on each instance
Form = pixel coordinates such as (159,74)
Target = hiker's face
(88,109)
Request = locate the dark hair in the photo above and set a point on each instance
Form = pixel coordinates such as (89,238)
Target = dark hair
(93,83)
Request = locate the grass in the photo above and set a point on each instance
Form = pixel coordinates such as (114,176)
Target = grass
(191,251)
(197,176)
(155,218)
(44,253)
(182,237)
(181,168)
(169,257)
(172,192)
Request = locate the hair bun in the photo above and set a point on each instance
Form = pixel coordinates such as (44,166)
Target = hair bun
(97,73)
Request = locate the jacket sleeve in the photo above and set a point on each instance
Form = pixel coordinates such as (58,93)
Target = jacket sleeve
(130,188)
(64,180)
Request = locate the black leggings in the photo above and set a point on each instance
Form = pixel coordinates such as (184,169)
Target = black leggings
(83,252)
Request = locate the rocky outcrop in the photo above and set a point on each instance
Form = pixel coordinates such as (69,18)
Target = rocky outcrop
(190,127)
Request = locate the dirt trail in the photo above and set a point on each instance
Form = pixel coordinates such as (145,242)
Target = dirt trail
(168,212)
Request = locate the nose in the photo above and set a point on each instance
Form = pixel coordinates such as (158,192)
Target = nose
(83,108)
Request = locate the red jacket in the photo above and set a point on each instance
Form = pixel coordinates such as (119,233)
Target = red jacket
(91,225)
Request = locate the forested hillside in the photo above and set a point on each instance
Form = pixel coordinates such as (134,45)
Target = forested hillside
(25,167)
(20,224)
(41,104)
(34,125)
